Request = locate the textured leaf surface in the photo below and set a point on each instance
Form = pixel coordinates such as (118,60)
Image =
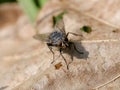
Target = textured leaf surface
(26,63)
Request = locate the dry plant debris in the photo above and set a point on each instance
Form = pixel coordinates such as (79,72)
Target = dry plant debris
(58,65)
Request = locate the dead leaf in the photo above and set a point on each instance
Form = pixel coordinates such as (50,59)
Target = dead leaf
(26,63)
(57,66)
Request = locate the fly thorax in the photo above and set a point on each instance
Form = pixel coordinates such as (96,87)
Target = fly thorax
(56,38)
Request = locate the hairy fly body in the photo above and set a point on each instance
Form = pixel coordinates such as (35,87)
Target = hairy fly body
(59,39)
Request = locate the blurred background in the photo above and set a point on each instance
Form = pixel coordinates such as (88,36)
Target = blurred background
(30,7)
(6,1)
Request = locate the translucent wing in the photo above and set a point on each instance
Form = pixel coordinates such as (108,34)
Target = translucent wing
(60,26)
(41,37)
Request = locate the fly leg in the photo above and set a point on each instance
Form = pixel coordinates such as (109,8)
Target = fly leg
(71,53)
(71,47)
(72,44)
(52,53)
(64,58)
(73,34)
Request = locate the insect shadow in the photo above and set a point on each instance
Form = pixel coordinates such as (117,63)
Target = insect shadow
(77,51)
(59,39)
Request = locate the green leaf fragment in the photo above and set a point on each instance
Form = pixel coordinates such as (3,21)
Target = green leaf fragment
(29,8)
(58,18)
(86,29)
(42,2)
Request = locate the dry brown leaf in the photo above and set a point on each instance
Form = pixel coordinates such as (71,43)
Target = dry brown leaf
(29,66)
(58,65)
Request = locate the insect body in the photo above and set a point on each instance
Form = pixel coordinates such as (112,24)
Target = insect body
(59,39)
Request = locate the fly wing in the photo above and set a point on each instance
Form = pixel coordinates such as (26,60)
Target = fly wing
(60,26)
(41,37)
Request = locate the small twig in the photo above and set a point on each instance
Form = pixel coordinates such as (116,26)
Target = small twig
(101,20)
(26,55)
(99,41)
(107,82)
(89,15)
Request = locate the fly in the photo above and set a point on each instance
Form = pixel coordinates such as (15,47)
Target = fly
(59,39)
